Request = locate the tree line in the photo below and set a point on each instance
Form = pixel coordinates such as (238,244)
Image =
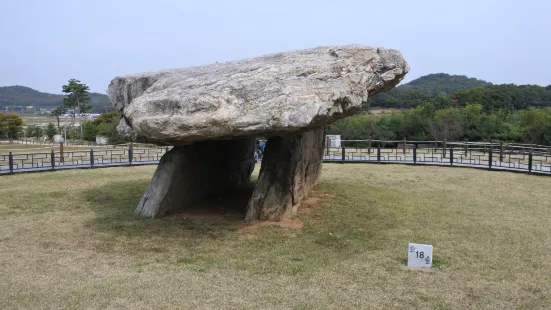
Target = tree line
(430,122)
(445,90)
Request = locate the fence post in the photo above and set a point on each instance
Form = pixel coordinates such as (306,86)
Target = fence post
(52,158)
(130,153)
(415,154)
(466,146)
(92,158)
(369,146)
(61,158)
(490,153)
(404,148)
(10,162)
(501,151)
(444,149)
(378,153)
(530,162)
(343,154)
(327,145)
(451,156)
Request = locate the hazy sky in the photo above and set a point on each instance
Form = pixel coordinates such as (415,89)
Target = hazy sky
(47,42)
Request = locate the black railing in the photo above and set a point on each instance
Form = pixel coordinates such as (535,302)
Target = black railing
(520,160)
(93,158)
(488,156)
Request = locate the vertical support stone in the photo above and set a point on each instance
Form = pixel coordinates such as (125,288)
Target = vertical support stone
(290,168)
(188,174)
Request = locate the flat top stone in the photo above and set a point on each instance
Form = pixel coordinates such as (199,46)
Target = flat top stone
(269,95)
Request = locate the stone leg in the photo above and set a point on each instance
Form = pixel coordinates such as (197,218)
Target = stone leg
(188,174)
(291,166)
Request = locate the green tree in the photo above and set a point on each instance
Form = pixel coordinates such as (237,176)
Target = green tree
(29,131)
(106,125)
(78,96)
(38,133)
(34,132)
(58,112)
(12,124)
(2,125)
(51,131)
(536,126)
(89,131)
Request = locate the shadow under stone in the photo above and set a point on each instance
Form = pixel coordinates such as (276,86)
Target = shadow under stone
(114,204)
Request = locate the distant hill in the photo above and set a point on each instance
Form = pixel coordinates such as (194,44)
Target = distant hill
(442,83)
(417,92)
(443,89)
(26,96)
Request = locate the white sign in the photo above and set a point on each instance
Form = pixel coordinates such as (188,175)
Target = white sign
(334,140)
(101,140)
(419,255)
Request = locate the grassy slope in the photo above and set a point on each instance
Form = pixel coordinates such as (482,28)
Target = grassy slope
(69,240)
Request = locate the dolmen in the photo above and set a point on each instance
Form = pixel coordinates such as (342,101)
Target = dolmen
(213,114)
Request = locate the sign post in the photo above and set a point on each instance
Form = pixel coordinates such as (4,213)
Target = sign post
(419,255)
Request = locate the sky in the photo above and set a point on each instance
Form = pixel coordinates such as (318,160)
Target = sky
(47,42)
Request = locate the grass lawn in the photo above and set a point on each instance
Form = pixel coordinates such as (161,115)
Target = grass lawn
(69,239)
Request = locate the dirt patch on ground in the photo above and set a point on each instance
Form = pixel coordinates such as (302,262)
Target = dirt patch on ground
(314,201)
(230,209)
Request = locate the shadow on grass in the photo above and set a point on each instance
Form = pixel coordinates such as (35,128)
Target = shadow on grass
(114,205)
(204,236)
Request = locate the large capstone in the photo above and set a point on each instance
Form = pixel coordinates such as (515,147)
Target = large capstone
(287,97)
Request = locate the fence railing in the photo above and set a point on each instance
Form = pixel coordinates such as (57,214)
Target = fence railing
(500,156)
(92,158)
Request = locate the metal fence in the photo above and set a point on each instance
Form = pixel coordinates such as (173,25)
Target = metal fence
(498,156)
(93,158)
(493,156)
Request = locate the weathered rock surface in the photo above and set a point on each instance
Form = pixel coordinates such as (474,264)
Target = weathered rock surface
(290,168)
(269,95)
(188,174)
(212,114)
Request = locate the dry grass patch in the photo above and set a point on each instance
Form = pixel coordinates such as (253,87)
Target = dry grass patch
(69,239)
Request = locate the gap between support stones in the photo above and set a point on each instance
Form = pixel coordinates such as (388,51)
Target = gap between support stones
(188,174)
